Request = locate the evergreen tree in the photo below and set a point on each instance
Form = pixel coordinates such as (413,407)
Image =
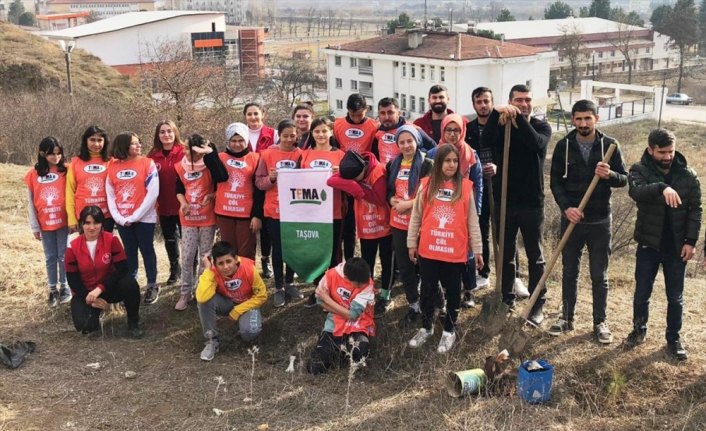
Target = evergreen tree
(505,15)
(558,10)
(15,11)
(600,9)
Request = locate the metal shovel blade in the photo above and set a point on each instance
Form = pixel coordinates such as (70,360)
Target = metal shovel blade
(494,313)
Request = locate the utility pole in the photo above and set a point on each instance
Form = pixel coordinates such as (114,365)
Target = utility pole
(67,47)
(425,14)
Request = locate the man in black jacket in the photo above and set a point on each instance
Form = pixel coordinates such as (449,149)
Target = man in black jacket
(668,197)
(525,191)
(577,158)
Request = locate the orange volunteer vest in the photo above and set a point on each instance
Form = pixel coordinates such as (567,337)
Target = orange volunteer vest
(326,159)
(128,179)
(90,184)
(234,198)
(355,137)
(343,292)
(372,221)
(197,185)
(278,159)
(49,194)
(238,288)
(387,147)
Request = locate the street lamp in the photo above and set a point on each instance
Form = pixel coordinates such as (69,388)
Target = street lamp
(67,47)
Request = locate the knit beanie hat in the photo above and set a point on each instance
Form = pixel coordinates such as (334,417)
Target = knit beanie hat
(351,165)
(237,129)
(411,130)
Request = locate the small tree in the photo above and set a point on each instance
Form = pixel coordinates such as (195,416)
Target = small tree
(625,35)
(488,34)
(402,21)
(93,16)
(680,23)
(27,19)
(291,80)
(702,27)
(599,9)
(558,10)
(633,18)
(571,47)
(15,11)
(505,16)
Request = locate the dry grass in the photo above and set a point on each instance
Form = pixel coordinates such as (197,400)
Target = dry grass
(596,387)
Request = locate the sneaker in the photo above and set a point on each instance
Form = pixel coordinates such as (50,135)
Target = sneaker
(64,295)
(136,331)
(603,334)
(291,292)
(635,338)
(482,282)
(536,317)
(53,298)
(447,342)
(410,318)
(152,294)
(421,337)
(280,298)
(173,279)
(183,301)
(468,300)
(677,350)
(311,301)
(209,351)
(520,289)
(382,306)
(560,327)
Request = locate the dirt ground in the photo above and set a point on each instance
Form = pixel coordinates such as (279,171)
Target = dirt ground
(596,387)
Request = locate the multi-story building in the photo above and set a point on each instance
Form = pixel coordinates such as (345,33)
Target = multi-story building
(60,21)
(235,10)
(406,64)
(603,43)
(101,8)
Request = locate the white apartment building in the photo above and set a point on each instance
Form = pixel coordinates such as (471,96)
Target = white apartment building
(405,65)
(235,10)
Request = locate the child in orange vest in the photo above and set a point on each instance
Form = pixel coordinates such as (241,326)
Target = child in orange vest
(442,229)
(46,185)
(229,286)
(347,293)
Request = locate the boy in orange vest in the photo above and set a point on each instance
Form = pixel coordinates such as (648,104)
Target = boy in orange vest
(347,293)
(229,286)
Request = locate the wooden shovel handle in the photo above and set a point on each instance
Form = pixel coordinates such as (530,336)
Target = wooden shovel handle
(564,238)
(503,209)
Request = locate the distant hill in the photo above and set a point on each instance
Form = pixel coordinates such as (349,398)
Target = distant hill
(31,63)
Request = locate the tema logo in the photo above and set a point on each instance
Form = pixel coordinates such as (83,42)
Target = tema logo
(238,164)
(48,178)
(286,164)
(127,174)
(320,163)
(233,284)
(344,293)
(354,133)
(307,196)
(191,176)
(388,138)
(403,174)
(444,195)
(94,169)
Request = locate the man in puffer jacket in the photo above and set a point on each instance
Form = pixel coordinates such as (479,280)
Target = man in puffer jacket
(668,197)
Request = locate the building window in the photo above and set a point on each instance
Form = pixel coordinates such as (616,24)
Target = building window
(612,53)
(432,75)
(600,54)
(647,50)
(339,83)
(412,70)
(403,102)
(528,83)
(339,104)
(397,95)
(422,72)
(354,84)
(354,62)
(412,103)
(442,74)
(422,108)
(337,60)
(404,69)
(395,64)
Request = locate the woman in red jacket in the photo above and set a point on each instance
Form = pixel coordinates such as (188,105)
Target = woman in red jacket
(97,272)
(167,151)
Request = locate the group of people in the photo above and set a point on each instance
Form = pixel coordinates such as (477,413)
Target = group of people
(420,195)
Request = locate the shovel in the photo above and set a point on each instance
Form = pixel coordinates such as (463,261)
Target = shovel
(494,309)
(514,337)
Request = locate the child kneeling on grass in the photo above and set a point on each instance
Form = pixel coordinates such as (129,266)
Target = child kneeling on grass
(347,293)
(229,286)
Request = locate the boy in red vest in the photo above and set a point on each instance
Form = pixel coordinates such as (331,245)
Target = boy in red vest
(229,286)
(347,293)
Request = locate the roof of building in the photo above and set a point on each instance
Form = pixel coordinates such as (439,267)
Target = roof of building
(441,45)
(514,30)
(89,2)
(56,16)
(121,22)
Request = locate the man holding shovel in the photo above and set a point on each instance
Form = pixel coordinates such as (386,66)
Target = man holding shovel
(525,188)
(668,197)
(577,159)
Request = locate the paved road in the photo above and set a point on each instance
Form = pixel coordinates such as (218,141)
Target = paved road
(691,113)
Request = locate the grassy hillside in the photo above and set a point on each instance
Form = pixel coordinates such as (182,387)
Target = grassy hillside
(33,63)
(596,387)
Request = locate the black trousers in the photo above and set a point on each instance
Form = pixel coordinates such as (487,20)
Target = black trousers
(448,274)
(369,250)
(331,351)
(484,221)
(408,270)
(119,287)
(171,231)
(349,230)
(277,263)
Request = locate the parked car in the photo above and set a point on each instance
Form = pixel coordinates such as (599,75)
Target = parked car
(680,99)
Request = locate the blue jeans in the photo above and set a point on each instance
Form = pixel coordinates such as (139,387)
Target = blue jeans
(54,244)
(647,262)
(140,236)
(596,238)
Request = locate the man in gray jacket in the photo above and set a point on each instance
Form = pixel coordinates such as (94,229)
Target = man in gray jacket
(668,197)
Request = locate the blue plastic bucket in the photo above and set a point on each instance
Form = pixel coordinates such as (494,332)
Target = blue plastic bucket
(535,387)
